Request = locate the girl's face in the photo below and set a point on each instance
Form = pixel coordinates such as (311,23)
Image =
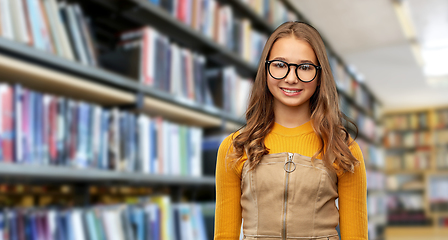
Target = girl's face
(290,91)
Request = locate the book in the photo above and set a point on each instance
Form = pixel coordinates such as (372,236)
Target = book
(21,33)
(7,27)
(7,120)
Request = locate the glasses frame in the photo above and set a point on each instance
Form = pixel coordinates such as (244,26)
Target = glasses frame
(268,63)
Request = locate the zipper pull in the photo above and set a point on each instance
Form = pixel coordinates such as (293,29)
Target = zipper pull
(290,156)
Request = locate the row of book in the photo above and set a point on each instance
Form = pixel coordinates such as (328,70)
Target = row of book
(375,180)
(441,137)
(410,121)
(157,219)
(219,22)
(376,205)
(366,124)
(418,160)
(405,182)
(60,28)
(411,139)
(274,12)
(150,58)
(438,189)
(443,222)
(346,83)
(44,129)
(373,155)
(405,201)
(440,119)
(442,158)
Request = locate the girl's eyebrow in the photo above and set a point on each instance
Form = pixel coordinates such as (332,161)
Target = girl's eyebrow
(301,61)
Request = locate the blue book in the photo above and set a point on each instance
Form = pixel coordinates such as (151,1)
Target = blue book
(153,221)
(155,2)
(2,223)
(23,125)
(177,218)
(35,23)
(132,144)
(104,142)
(61,131)
(138,223)
(34,226)
(91,226)
(153,142)
(17,134)
(38,115)
(11,215)
(199,224)
(82,144)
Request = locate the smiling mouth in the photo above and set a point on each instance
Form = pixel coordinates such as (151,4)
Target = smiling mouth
(290,91)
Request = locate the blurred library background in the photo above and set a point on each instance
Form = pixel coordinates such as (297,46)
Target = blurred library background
(112,111)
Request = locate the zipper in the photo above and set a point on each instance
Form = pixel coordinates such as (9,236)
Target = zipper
(288,170)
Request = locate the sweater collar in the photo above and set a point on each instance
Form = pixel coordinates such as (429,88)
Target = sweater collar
(299,130)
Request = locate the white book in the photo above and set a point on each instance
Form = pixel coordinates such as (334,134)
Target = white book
(143,155)
(46,112)
(96,135)
(185,219)
(175,150)
(76,34)
(85,35)
(150,36)
(3,89)
(199,231)
(211,18)
(116,138)
(77,225)
(167,154)
(112,224)
(51,224)
(53,22)
(196,137)
(105,139)
(183,77)
(175,68)
(19,21)
(60,29)
(43,31)
(6,20)
(18,124)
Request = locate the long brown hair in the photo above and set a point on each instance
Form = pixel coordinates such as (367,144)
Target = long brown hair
(324,107)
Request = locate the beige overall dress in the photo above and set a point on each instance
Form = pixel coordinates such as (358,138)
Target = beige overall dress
(286,197)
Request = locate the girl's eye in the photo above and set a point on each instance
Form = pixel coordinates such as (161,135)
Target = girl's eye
(279,65)
(305,67)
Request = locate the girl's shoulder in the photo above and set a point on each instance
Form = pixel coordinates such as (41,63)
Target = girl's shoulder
(355,149)
(227,142)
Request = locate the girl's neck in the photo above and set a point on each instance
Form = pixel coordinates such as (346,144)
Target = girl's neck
(292,117)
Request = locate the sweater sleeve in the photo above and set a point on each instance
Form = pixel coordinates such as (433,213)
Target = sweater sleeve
(352,188)
(228,195)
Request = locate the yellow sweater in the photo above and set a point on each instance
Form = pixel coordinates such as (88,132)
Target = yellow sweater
(302,139)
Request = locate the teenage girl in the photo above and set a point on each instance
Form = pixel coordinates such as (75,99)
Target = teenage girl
(283,171)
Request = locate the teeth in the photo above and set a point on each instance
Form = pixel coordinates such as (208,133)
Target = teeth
(290,91)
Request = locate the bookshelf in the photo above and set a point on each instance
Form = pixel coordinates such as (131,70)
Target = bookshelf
(414,142)
(48,73)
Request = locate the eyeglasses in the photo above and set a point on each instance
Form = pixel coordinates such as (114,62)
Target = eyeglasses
(305,72)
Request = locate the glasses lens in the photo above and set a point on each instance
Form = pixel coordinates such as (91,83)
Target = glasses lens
(278,69)
(306,72)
